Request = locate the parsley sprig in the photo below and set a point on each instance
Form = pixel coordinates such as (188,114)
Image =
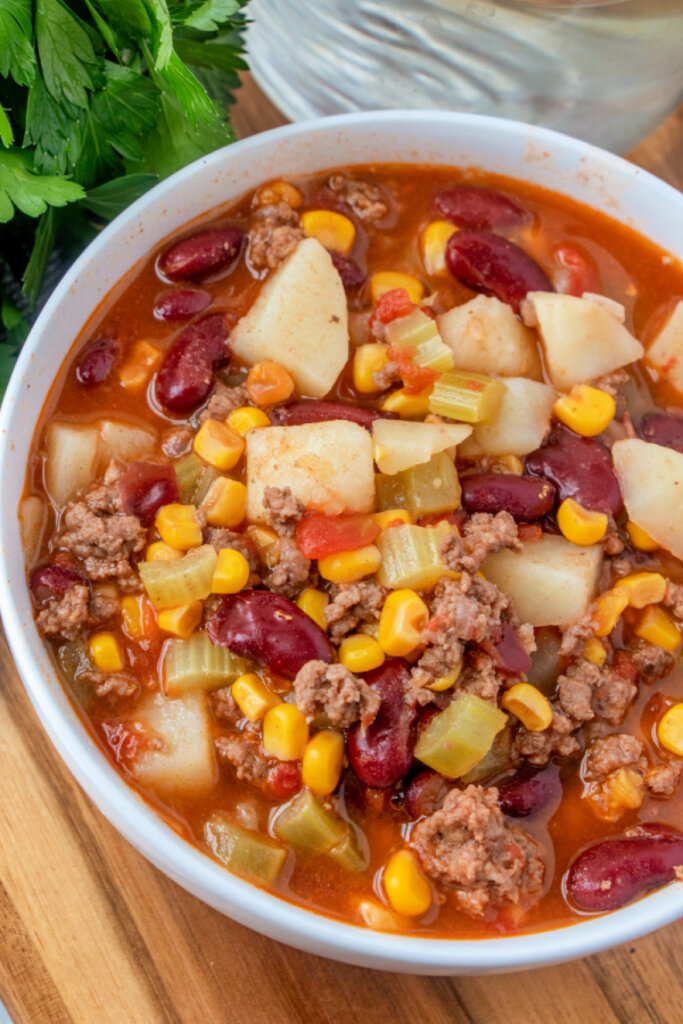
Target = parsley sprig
(98,100)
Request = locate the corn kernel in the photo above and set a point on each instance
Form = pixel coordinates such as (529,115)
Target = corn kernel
(608,609)
(407,889)
(314,602)
(246,418)
(360,653)
(106,653)
(161,552)
(368,359)
(253,697)
(445,682)
(285,732)
(218,444)
(225,502)
(131,613)
(403,617)
(143,361)
(379,918)
(512,464)
(322,762)
(670,730)
(586,410)
(179,526)
(348,566)
(529,705)
(269,383)
(267,543)
(642,588)
(387,280)
(409,406)
(333,230)
(434,241)
(594,652)
(579,525)
(182,620)
(231,573)
(657,626)
(391,517)
(626,790)
(640,539)
(280,192)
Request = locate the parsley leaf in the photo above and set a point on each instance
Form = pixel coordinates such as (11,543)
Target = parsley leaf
(208,16)
(16,41)
(53,129)
(6,133)
(113,196)
(67,57)
(125,109)
(29,192)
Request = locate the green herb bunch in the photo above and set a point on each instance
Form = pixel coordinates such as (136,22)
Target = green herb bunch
(99,99)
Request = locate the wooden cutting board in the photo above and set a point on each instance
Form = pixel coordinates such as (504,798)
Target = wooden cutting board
(91,933)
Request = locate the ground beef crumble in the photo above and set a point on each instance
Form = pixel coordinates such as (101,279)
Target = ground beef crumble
(220,537)
(558,740)
(66,616)
(243,751)
(664,779)
(283,509)
(389,374)
(651,661)
(610,753)
(333,691)
(587,691)
(223,401)
(115,685)
(292,574)
(365,199)
(468,847)
(274,234)
(482,535)
(352,605)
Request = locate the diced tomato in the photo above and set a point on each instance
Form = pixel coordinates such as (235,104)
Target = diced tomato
(428,312)
(391,306)
(284,780)
(529,532)
(415,378)
(319,535)
(576,274)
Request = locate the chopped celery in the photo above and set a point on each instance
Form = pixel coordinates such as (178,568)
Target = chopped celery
(306,823)
(419,332)
(186,579)
(188,470)
(410,555)
(74,659)
(253,856)
(461,736)
(208,476)
(426,489)
(471,397)
(197,664)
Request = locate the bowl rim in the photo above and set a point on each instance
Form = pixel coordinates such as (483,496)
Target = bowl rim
(135,819)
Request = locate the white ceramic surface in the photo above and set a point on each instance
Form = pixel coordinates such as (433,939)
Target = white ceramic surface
(555,161)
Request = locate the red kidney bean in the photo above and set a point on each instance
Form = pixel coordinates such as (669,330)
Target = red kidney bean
(202,254)
(349,271)
(145,487)
(53,581)
(382,753)
(495,266)
(580,468)
(270,628)
(185,377)
(95,363)
(612,872)
(663,428)
(314,411)
(425,793)
(524,497)
(283,780)
(181,304)
(525,795)
(507,652)
(469,206)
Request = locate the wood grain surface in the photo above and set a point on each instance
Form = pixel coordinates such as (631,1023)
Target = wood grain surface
(92,933)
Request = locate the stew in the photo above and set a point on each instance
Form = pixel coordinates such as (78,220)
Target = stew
(353,524)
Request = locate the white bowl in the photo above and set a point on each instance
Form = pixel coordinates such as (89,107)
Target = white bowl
(566,165)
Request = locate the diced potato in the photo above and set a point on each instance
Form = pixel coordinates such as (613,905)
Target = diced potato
(32,520)
(651,480)
(551,582)
(485,336)
(666,351)
(185,762)
(521,424)
(329,466)
(400,444)
(72,452)
(299,320)
(126,442)
(582,339)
